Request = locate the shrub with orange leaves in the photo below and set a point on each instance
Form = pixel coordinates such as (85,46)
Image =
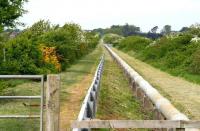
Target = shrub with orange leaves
(50,57)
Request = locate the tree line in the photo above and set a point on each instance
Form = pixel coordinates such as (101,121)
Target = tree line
(130,30)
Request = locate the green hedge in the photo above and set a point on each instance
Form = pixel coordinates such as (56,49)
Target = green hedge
(112,39)
(24,54)
(135,43)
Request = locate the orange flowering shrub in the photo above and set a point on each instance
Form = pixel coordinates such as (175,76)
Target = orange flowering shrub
(50,56)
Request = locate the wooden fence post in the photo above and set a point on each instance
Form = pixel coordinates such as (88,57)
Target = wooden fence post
(52,102)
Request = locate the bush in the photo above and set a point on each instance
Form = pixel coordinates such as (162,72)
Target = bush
(174,59)
(70,42)
(112,39)
(25,54)
(195,64)
(135,43)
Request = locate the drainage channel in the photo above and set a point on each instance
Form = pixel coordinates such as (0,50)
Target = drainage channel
(89,105)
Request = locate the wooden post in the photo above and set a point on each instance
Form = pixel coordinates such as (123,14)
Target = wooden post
(52,102)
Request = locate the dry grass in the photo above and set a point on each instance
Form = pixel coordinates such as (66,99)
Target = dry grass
(183,94)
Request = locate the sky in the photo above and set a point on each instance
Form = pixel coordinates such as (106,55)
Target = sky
(92,14)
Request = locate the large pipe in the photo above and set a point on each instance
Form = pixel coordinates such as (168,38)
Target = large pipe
(160,103)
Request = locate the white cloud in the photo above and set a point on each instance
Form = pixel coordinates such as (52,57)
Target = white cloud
(103,13)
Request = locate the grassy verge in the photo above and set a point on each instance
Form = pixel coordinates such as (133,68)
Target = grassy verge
(116,100)
(74,74)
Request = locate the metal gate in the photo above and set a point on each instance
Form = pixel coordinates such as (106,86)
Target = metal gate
(41,97)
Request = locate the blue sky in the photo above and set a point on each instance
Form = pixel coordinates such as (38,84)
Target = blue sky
(92,14)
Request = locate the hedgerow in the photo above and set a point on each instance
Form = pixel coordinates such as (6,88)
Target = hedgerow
(112,39)
(45,48)
(135,43)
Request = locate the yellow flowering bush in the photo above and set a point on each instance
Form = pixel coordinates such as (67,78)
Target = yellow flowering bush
(50,57)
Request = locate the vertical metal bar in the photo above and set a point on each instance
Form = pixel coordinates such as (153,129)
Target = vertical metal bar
(41,103)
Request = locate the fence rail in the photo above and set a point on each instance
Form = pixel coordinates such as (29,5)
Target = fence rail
(20,97)
(41,97)
(21,77)
(135,124)
(89,105)
(19,116)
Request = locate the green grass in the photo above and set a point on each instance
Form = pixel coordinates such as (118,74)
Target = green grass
(72,75)
(5,85)
(17,107)
(15,125)
(115,99)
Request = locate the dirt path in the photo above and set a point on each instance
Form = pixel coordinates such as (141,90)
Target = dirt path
(70,110)
(183,94)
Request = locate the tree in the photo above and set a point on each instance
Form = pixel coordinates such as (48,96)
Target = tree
(154,29)
(184,29)
(128,29)
(166,29)
(10,10)
(195,29)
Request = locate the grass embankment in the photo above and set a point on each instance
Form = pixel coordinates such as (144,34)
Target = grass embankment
(81,72)
(183,94)
(115,99)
